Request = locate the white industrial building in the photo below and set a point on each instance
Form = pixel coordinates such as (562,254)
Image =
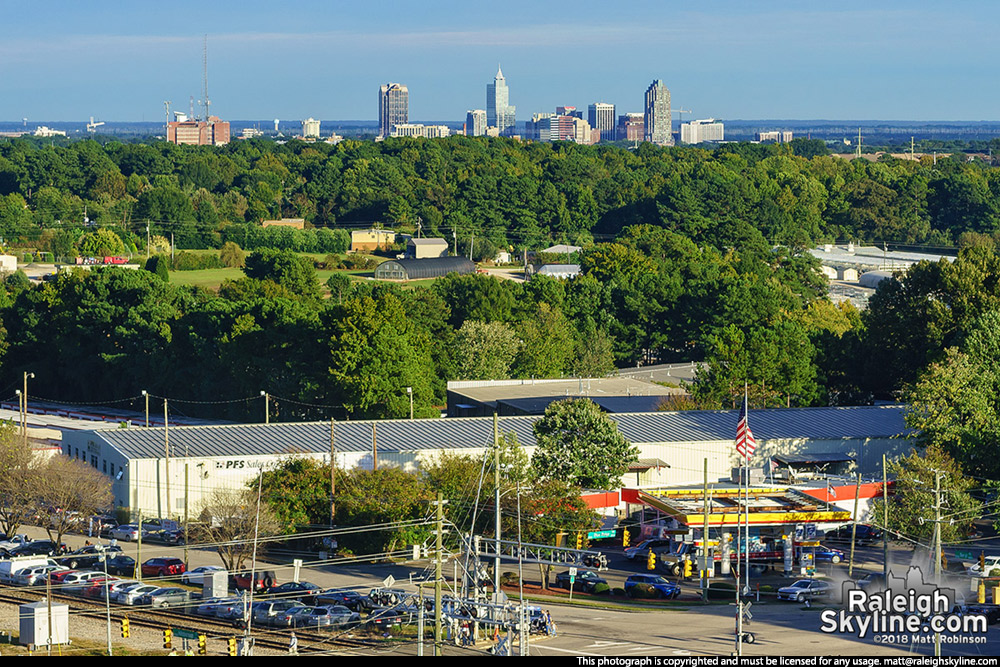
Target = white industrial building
(419,130)
(672,447)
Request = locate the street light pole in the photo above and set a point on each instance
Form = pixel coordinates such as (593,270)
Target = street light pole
(146,395)
(24,421)
(409,391)
(267,407)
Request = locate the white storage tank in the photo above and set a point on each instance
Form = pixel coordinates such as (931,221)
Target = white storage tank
(34,625)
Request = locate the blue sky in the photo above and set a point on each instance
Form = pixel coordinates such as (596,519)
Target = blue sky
(912,60)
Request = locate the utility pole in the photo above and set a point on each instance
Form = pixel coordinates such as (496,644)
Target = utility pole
(374,449)
(145,395)
(166,461)
(409,391)
(885,522)
(854,524)
(24,420)
(437,575)
(704,547)
(333,476)
(267,407)
(187,498)
(937,548)
(496,509)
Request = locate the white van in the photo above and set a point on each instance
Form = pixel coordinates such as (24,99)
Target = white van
(9,568)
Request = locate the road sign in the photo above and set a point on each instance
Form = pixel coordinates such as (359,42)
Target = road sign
(388,581)
(600,534)
(572,572)
(185,634)
(964,554)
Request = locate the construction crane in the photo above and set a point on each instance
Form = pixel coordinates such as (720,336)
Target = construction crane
(92,126)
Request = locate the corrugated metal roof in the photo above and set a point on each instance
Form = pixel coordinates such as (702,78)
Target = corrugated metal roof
(474,432)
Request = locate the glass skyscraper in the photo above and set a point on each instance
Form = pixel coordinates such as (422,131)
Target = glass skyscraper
(393,107)
(657,114)
(499,113)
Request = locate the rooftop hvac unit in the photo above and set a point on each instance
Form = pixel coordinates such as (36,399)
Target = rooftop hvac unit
(756,475)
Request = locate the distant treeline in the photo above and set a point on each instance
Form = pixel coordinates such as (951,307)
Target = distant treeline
(504,192)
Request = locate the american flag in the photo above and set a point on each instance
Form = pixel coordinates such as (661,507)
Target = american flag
(745,444)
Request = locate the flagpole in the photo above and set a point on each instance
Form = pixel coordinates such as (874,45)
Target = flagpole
(746,506)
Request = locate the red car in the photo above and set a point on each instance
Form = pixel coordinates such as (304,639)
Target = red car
(264,580)
(57,577)
(163,567)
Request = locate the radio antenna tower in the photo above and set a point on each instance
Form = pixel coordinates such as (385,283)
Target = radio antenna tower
(204,63)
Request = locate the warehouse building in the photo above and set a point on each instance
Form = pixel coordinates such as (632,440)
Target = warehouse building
(148,466)
(416,269)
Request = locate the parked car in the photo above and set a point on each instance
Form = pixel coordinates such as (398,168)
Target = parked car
(263,580)
(117,586)
(286,619)
(383,619)
(164,536)
(303,590)
(88,556)
(167,597)
(199,575)
(118,591)
(36,576)
(96,587)
(990,611)
(133,595)
(128,532)
(805,589)
(210,606)
(585,580)
(667,590)
(163,567)
(342,617)
(641,549)
(342,597)
(122,565)
(866,535)
(265,613)
(75,582)
(37,548)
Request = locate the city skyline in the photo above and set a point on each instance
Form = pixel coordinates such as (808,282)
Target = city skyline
(902,60)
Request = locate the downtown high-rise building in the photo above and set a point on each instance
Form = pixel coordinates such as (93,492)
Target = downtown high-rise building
(393,107)
(601,117)
(499,112)
(475,123)
(657,114)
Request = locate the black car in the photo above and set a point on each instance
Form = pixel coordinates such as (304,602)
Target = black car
(122,565)
(865,535)
(585,580)
(303,590)
(871,582)
(37,548)
(990,611)
(87,558)
(345,598)
(165,536)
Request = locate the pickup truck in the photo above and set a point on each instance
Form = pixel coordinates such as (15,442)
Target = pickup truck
(13,542)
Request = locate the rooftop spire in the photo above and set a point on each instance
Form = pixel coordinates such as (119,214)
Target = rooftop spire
(499,72)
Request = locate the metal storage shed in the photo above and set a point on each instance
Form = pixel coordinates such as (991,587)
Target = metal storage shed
(415,269)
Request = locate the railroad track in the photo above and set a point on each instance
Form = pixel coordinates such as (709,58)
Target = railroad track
(309,641)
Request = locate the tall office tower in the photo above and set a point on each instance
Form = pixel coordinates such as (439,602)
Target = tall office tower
(393,107)
(657,114)
(310,128)
(601,117)
(475,123)
(499,113)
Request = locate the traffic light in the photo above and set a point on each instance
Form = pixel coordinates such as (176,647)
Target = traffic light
(579,541)
(232,646)
(202,644)
(651,561)
(687,568)
(168,635)
(125,632)
(625,536)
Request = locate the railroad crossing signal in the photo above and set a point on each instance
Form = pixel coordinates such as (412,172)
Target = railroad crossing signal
(168,635)
(625,537)
(125,632)
(202,644)
(232,646)
(651,561)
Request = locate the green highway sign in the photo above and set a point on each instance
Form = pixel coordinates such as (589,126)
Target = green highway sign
(600,534)
(964,554)
(185,634)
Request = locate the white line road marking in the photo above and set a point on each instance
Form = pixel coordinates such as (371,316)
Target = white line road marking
(565,650)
